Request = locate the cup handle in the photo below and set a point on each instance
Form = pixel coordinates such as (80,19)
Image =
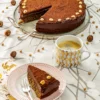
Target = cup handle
(89,54)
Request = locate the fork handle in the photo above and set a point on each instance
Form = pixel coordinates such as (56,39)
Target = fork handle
(29,95)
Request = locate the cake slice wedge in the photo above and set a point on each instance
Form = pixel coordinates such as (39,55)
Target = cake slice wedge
(41,82)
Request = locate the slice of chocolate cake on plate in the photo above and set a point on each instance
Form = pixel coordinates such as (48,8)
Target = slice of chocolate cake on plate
(41,82)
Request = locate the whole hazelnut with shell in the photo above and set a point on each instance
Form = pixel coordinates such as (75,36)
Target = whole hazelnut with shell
(1,23)
(90,38)
(13,2)
(7,33)
(13,54)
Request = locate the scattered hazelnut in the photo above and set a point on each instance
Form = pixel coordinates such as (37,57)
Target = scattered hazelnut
(42,48)
(25,1)
(2,11)
(93,22)
(13,54)
(96,27)
(98,63)
(38,50)
(30,55)
(90,38)
(23,4)
(1,23)
(48,77)
(93,32)
(42,82)
(77,13)
(91,16)
(97,54)
(68,18)
(2,44)
(89,73)
(7,33)
(87,42)
(82,35)
(13,2)
(85,89)
(6,7)
(73,16)
(20,51)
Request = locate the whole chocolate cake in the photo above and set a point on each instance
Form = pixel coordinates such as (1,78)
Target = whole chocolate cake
(41,82)
(54,16)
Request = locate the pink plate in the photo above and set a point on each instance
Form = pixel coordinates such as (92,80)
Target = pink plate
(15,78)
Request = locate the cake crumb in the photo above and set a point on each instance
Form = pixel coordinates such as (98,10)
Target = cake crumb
(42,82)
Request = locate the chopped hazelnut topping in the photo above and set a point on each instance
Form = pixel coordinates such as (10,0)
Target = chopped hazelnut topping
(41,19)
(23,4)
(50,19)
(77,13)
(73,16)
(80,6)
(42,82)
(25,11)
(59,20)
(48,77)
(80,11)
(80,2)
(25,1)
(67,18)
(23,7)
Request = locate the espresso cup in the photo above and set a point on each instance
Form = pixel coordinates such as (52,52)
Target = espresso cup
(70,58)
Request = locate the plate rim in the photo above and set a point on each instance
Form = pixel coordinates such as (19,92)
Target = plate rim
(65,81)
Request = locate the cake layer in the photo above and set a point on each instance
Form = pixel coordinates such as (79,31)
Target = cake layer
(41,82)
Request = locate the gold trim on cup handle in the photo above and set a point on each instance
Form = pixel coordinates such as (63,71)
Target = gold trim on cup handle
(87,56)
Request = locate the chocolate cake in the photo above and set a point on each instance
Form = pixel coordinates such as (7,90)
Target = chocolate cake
(54,16)
(41,82)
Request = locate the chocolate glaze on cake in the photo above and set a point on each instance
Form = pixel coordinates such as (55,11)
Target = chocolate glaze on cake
(41,82)
(55,15)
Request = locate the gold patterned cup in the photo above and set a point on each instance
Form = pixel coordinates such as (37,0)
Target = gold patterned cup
(70,58)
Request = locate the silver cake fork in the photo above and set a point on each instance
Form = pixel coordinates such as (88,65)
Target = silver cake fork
(26,88)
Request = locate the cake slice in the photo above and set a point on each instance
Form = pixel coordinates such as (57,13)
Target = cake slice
(41,82)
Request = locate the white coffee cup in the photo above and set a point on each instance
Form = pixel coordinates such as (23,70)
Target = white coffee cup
(69,58)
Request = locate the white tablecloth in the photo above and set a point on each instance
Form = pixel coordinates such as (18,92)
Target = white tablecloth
(29,54)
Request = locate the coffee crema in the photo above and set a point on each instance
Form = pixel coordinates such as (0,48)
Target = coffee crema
(69,45)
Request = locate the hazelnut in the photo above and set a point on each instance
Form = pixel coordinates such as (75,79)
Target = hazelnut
(89,73)
(50,19)
(90,38)
(7,33)
(2,44)
(30,55)
(1,23)
(82,35)
(48,77)
(97,54)
(42,82)
(13,54)
(13,2)
(93,22)
(21,51)
(20,21)
(38,50)
(42,48)
(96,26)
(85,89)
